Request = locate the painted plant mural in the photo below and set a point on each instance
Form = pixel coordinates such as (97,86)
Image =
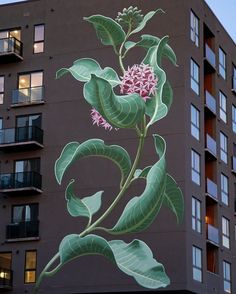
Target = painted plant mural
(145,97)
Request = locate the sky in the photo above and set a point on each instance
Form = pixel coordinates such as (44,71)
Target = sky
(223,9)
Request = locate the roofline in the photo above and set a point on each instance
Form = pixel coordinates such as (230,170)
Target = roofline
(17,3)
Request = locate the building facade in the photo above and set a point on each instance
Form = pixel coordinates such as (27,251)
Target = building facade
(39,115)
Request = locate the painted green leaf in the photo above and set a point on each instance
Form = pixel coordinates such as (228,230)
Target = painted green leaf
(108,31)
(141,211)
(82,69)
(134,259)
(174,198)
(86,207)
(155,108)
(146,18)
(139,173)
(94,147)
(148,41)
(120,111)
(167,96)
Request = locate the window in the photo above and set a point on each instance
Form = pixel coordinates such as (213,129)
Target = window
(194,21)
(195,126)
(224,189)
(5,268)
(25,213)
(194,77)
(30,266)
(30,88)
(196,215)
(222,63)
(223,107)
(225,232)
(234,118)
(27,165)
(197,264)
(234,78)
(195,165)
(39,38)
(1,89)
(27,127)
(223,147)
(227,276)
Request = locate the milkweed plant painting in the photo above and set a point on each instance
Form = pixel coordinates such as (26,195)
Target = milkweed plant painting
(144,97)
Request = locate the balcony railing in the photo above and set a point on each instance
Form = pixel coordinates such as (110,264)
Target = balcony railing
(210,56)
(212,234)
(210,145)
(210,102)
(6,278)
(11,50)
(22,230)
(211,189)
(21,136)
(21,182)
(234,164)
(28,96)
(234,84)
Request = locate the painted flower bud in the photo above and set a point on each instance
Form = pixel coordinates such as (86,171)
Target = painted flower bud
(129,17)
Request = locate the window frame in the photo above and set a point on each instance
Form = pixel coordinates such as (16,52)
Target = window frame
(195,263)
(195,170)
(32,218)
(227,279)
(193,80)
(224,188)
(30,269)
(234,118)
(222,63)
(196,215)
(225,222)
(195,122)
(223,148)
(29,73)
(2,91)
(194,28)
(40,41)
(223,106)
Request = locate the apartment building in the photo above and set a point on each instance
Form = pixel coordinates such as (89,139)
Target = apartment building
(39,115)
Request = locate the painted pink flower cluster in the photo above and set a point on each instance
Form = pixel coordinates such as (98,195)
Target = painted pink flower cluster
(139,79)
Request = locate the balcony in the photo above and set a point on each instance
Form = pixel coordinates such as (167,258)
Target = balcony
(234,164)
(22,138)
(210,102)
(28,230)
(210,59)
(6,278)
(210,147)
(28,96)
(21,183)
(11,50)
(212,234)
(211,189)
(233,85)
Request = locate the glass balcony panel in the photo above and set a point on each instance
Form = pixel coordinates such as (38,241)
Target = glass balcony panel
(234,84)
(234,163)
(210,102)
(27,229)
(6,277)
(210,55)
(28,95)
(212,234)
(11,45)
(211,144)
(211,189)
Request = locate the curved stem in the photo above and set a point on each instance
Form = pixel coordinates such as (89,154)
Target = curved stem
(121,56)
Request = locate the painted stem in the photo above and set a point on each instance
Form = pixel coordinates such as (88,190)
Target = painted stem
(121,56)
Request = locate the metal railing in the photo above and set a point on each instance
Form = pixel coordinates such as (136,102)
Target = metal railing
(11,44)
(28,95)
(212,234)
(20,180)
(21,134)
(211,188)
(26,229)
(6,278)
(210,102)
(211,144)
(210,55)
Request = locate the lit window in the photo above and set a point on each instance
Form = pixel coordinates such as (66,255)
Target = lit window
(30,266)
(227,276)
(223,147)
(225,232)
(222,63)
(195,166)
(223,107)
(224,189)
(234,118)
(196,215)
(194,29)
(1,89)
(195,127)
(197,263)
(194,77)
(39,38)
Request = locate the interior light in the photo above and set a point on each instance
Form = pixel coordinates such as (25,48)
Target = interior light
(207,219)
(16,32)
(22,81)
(2,275)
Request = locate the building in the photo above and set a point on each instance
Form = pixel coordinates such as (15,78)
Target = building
(39,115)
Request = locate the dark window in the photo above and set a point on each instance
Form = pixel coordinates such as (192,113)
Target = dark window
(223,147)
(27,165)
(223,107)
(222,63)
(30,266)
(196,215)
(194,21)
(39,38)
(24,213)
(195,77)
(224,189)
(195,167)
(1,89)
(197,263)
